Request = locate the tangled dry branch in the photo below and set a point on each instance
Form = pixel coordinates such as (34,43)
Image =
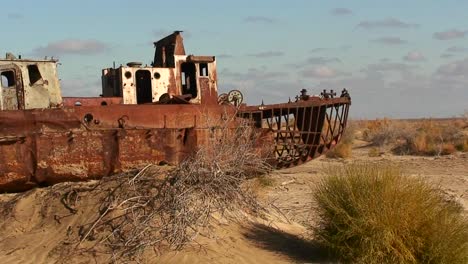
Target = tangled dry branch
(170,207)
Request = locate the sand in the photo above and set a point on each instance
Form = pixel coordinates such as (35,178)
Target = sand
(36,227)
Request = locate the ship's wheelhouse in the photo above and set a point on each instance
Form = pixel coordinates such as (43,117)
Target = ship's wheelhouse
(172,74)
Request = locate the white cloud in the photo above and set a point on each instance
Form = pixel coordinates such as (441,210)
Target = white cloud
(385,23)
(253,74)
(72,46)
(457,49)
(450,34)
(318,50)
(320,72)
(161,33)
(267,54)
(391,89)
(389,66)
(15,16)
(321,60)
(390,41)
(456,68)
(414,56)
(224,56)
(260,19)
(81,86)
(446,55)
(375,94)
(341,11)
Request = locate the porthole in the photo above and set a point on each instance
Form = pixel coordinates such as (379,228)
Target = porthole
(157,75)
(88,118)
(128,75)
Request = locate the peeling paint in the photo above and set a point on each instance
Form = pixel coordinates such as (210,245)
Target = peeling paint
(146,114)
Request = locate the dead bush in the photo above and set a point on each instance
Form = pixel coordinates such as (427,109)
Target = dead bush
(155,208)
(382,132)
(372,213)
(344,148)
(431,138)
(418,137)
(462,145)
(374,152)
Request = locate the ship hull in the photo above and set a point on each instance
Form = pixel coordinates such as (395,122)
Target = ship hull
(44,147)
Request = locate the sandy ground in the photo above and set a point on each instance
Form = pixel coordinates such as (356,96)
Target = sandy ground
(35,227)
(294,187)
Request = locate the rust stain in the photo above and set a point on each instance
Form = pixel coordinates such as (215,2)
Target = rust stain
(163,112)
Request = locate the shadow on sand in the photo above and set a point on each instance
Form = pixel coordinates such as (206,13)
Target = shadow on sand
(296,248)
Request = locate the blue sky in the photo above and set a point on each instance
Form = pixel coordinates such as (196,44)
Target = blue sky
(397,58)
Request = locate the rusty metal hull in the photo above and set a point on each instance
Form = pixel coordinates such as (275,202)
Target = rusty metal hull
(146,114)
(43,147)
(302,130)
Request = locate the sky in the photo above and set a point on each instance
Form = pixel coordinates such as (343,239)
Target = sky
(398,59)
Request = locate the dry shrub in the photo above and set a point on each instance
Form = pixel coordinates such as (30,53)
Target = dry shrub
(431,138)
(372,213)
(344,148)
(447,149)
(373,152)
(153,209)
(265,181)
(341,150)
(381,132)
(460,123)
(462,145)
(426,137)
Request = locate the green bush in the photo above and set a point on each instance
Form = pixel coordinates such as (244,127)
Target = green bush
(375,214)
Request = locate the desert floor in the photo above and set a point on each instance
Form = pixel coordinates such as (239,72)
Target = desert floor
(31,233)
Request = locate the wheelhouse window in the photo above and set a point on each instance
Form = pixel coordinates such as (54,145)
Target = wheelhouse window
(8,79)
(203,69)
(189,79)
(34,74)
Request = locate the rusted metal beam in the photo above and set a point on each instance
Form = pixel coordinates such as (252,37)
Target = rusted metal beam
(91,101)
(79,143)
(302,130)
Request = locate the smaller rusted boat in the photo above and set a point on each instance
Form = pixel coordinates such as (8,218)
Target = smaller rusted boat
(146,114)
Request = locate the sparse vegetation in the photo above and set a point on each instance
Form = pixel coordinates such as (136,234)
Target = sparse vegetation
(265,181)
(373,152)
(382,132)
(152,209)
(375,214)
(426,137)
(344,148)
(462,146)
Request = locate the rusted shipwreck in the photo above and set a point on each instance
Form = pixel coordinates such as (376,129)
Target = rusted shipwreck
(146,114)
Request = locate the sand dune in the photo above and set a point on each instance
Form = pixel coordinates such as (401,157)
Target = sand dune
(36,226)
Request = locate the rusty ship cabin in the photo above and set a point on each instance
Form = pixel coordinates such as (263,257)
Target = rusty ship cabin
(172,78)
(145,114)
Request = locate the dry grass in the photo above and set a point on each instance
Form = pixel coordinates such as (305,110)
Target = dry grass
(344,148)
(462,146)
(375,214)
(374,152)
(154,209)
(424,137)
(382,132)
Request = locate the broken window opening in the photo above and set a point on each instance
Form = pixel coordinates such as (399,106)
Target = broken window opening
(182,75)
(189,79)
(34,74)
(8,79)
(143,87)
(203,69)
